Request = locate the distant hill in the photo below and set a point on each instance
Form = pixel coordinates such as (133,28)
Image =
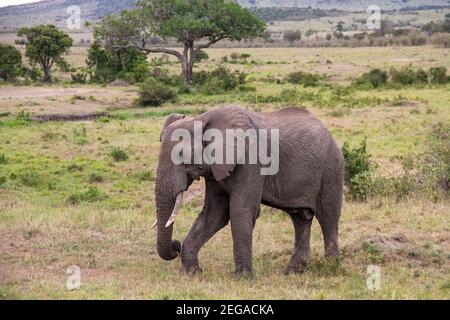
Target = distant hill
(54,11)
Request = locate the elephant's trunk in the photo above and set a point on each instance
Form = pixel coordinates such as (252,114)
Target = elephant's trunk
(166,209)
(166,247)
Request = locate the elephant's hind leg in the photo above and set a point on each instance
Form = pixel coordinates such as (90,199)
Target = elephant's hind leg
(302,223)
(328,214)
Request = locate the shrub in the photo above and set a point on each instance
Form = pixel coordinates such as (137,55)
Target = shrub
(408,76)
(303,78)
(201,55)
(108,65)
(146,176)
(30,179)
(79,77)
(219,80)
(358,170)
(245,88)
(10,62)
(2,180)
(119,155)
(95,177)
(32,74)
(92,194)
(375,78)
(164,76)
(438,75)
(153,93)
(435,163)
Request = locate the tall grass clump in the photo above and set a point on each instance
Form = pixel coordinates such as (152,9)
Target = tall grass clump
(90,195)
(434,165)
(119,155)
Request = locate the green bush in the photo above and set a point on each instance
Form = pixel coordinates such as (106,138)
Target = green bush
(2,180)
(108,65)
(438,75)
(219,80)
(32,74)
(375,78)
(408,76)
(201,55)
(153,93)
(358,171)
(119,155)
(303,78)
(10,62)
(357,161)
(164,76)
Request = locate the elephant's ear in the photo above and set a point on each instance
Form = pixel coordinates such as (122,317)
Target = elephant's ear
(170,119)
(231,118)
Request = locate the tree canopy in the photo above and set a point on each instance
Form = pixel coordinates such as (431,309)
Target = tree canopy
(45,46)
(195,24)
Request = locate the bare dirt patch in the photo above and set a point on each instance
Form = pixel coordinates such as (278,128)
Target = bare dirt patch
(64,104)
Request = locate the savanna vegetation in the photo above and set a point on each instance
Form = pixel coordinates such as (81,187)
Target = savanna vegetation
(78,161)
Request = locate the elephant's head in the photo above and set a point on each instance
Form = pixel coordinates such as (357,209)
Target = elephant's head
(174,179)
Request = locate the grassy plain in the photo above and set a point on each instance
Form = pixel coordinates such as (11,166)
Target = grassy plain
(65,201)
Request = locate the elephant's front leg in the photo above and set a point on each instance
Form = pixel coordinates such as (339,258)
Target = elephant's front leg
(214,216)
(243,221)
(245,205)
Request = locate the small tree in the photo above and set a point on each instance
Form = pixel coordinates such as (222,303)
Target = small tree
(10,63)
(292,36)
(45,46)
(195,24)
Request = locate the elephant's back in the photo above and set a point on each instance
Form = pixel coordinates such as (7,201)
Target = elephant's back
(289,116)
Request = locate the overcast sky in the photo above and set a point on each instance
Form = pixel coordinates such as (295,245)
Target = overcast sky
(4,3)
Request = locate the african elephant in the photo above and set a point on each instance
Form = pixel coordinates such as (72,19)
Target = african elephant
(308,184)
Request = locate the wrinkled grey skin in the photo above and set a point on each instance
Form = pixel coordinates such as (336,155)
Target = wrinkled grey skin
(309,184)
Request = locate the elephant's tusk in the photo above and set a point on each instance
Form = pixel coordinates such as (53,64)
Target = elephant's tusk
(175,209)
(154,225)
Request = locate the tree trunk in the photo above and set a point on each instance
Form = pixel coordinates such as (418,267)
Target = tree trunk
(47,76)
(188,63)
(188,73)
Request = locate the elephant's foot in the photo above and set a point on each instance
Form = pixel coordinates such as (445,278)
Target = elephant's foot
(192,270)
(244,273)
(190,265)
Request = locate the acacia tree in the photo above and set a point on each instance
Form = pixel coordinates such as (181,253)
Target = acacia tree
(46,45)
(195,24)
